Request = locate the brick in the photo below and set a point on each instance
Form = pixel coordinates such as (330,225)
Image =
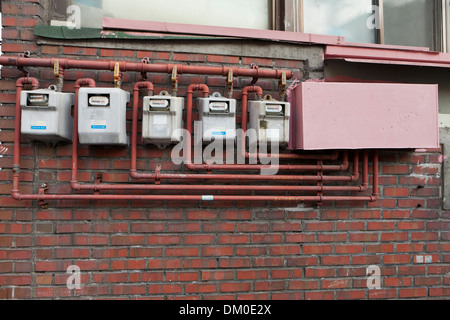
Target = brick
(397,259)
(336,284)
(252,274)
(351,295)
(352,249)
(383,294)
(234,239)
(217,251)
(284,250)
(201,288)
(318,226)
(397,192)
(316,249)
(270,285)
(384,225)
(235,287)
(182,276)
(276,227)
(266,238)
(78,51)
(397,282)
(198,239)
(217,275)
(411,270)
(335,215)
(189,57)
(319,295)
(412,293)
(395,169)
(335,260)
(223,59)
(350,225)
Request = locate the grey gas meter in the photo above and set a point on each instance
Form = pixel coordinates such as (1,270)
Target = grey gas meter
(270,119)
(102,116)
(162,120)
(47,115)
(218,117)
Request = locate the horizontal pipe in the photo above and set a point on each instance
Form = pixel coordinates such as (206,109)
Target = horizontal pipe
(80,197)
(143,67)
(118,187)
(44,197)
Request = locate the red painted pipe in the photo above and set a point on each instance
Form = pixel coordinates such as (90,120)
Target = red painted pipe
(149,86)
(78,84)
(17,125)
(43,197)
(143,67)
(353,177)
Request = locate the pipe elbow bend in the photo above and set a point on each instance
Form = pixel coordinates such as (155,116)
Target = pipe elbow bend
(16,195)
(75,185)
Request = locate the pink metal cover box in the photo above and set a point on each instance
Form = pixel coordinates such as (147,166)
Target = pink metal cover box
(327,116)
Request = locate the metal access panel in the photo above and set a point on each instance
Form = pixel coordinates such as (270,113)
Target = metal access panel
(270,120)
(218,117)
(327,116)
(102,116)
(47,115)
(162,119)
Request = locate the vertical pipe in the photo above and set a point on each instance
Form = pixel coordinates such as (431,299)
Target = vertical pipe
(17,130)
(138,85)
(376,191)
(78,84)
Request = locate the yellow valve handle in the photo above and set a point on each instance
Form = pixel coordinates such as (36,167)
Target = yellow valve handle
(174,74)
(56,69)
(117,74)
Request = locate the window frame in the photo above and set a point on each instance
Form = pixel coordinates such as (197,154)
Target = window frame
(441,29)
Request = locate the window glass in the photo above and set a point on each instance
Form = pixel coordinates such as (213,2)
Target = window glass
(409,22)
(348,18)
(253,14)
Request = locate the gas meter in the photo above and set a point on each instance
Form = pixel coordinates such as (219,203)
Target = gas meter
(162,120)
(270,119)
(102,116)
(47,115)
(218,117)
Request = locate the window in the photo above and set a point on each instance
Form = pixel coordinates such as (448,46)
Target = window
(420,23)
(413,23)
(254,14)
(395,22)
(346,18)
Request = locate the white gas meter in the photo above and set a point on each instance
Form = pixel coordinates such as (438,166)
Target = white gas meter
(102,118)
(47,115)
(162,120)
(218,117)
(270,119)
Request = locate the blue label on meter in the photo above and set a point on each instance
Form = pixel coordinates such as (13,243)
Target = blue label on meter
(219,133)
(98,127)
(38,128)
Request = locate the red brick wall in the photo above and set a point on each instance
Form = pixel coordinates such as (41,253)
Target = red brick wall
(226,250)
